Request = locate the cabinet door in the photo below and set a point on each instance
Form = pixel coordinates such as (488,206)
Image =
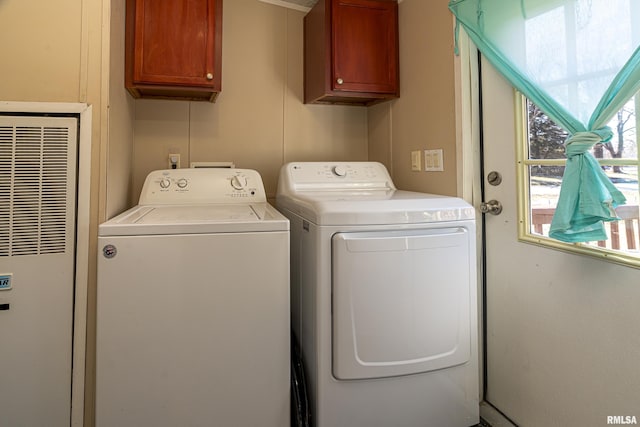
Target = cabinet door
(364,45)
(175,42)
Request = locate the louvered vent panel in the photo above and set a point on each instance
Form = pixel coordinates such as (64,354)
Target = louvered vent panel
(54,191)
(6,153)
(33,190)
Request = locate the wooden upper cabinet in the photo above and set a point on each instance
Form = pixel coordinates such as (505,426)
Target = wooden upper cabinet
(351,52)
(174,49)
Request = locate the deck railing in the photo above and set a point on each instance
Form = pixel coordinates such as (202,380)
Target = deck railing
(627,239)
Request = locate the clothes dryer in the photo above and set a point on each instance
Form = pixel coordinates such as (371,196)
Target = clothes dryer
(192,305)
(383,298)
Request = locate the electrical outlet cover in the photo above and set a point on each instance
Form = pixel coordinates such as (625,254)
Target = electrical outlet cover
(415,161)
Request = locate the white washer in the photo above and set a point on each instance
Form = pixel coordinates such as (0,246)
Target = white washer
(193,305)
(383,298)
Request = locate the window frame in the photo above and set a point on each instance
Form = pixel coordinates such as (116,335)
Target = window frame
(523,194)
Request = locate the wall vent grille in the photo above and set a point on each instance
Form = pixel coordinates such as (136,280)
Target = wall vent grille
(34,162)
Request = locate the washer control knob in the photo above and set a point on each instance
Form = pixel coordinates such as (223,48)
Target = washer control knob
(238,182)
(165,183)
(182,183)
(339,171)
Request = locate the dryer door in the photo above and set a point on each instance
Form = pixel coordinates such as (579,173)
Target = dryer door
(401,301)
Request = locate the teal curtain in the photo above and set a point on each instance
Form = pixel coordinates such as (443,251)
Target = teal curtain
(579,61)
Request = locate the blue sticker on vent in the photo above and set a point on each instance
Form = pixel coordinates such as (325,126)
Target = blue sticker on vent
(5,282)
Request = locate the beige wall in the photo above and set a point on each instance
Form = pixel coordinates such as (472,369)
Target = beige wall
(57,52)
(40,50)
(112,167)
(119,151)
(72,51)
(424,115)
(259,120)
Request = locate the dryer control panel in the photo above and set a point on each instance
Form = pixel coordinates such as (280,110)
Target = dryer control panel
(323,176)
(202,186)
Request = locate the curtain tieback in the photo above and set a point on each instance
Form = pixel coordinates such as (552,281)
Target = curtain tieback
(581,142)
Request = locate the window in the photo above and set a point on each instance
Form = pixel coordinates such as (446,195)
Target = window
(541,162)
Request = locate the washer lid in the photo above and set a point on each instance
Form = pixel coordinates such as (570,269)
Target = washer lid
(375,207)
(195,219)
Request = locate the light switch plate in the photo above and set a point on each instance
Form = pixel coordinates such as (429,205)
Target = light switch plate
(415,161)
(433,160)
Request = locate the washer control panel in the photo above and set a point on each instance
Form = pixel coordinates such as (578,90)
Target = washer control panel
(335,175)
(202,185)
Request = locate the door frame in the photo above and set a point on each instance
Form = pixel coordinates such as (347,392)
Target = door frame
(81,275)
(469,160)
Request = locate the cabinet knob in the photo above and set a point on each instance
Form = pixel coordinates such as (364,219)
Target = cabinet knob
(339,81)
(209,76)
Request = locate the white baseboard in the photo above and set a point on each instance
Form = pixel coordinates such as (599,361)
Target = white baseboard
(493,417)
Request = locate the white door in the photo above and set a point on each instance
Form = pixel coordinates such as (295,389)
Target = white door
(37,253)
(562,329)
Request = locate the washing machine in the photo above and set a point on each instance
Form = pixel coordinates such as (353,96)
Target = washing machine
(193,305)
(383,298)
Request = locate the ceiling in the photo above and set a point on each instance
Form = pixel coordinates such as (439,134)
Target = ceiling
(301,5)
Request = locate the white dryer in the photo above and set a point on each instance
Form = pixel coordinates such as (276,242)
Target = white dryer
(193,305)
(383,298)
